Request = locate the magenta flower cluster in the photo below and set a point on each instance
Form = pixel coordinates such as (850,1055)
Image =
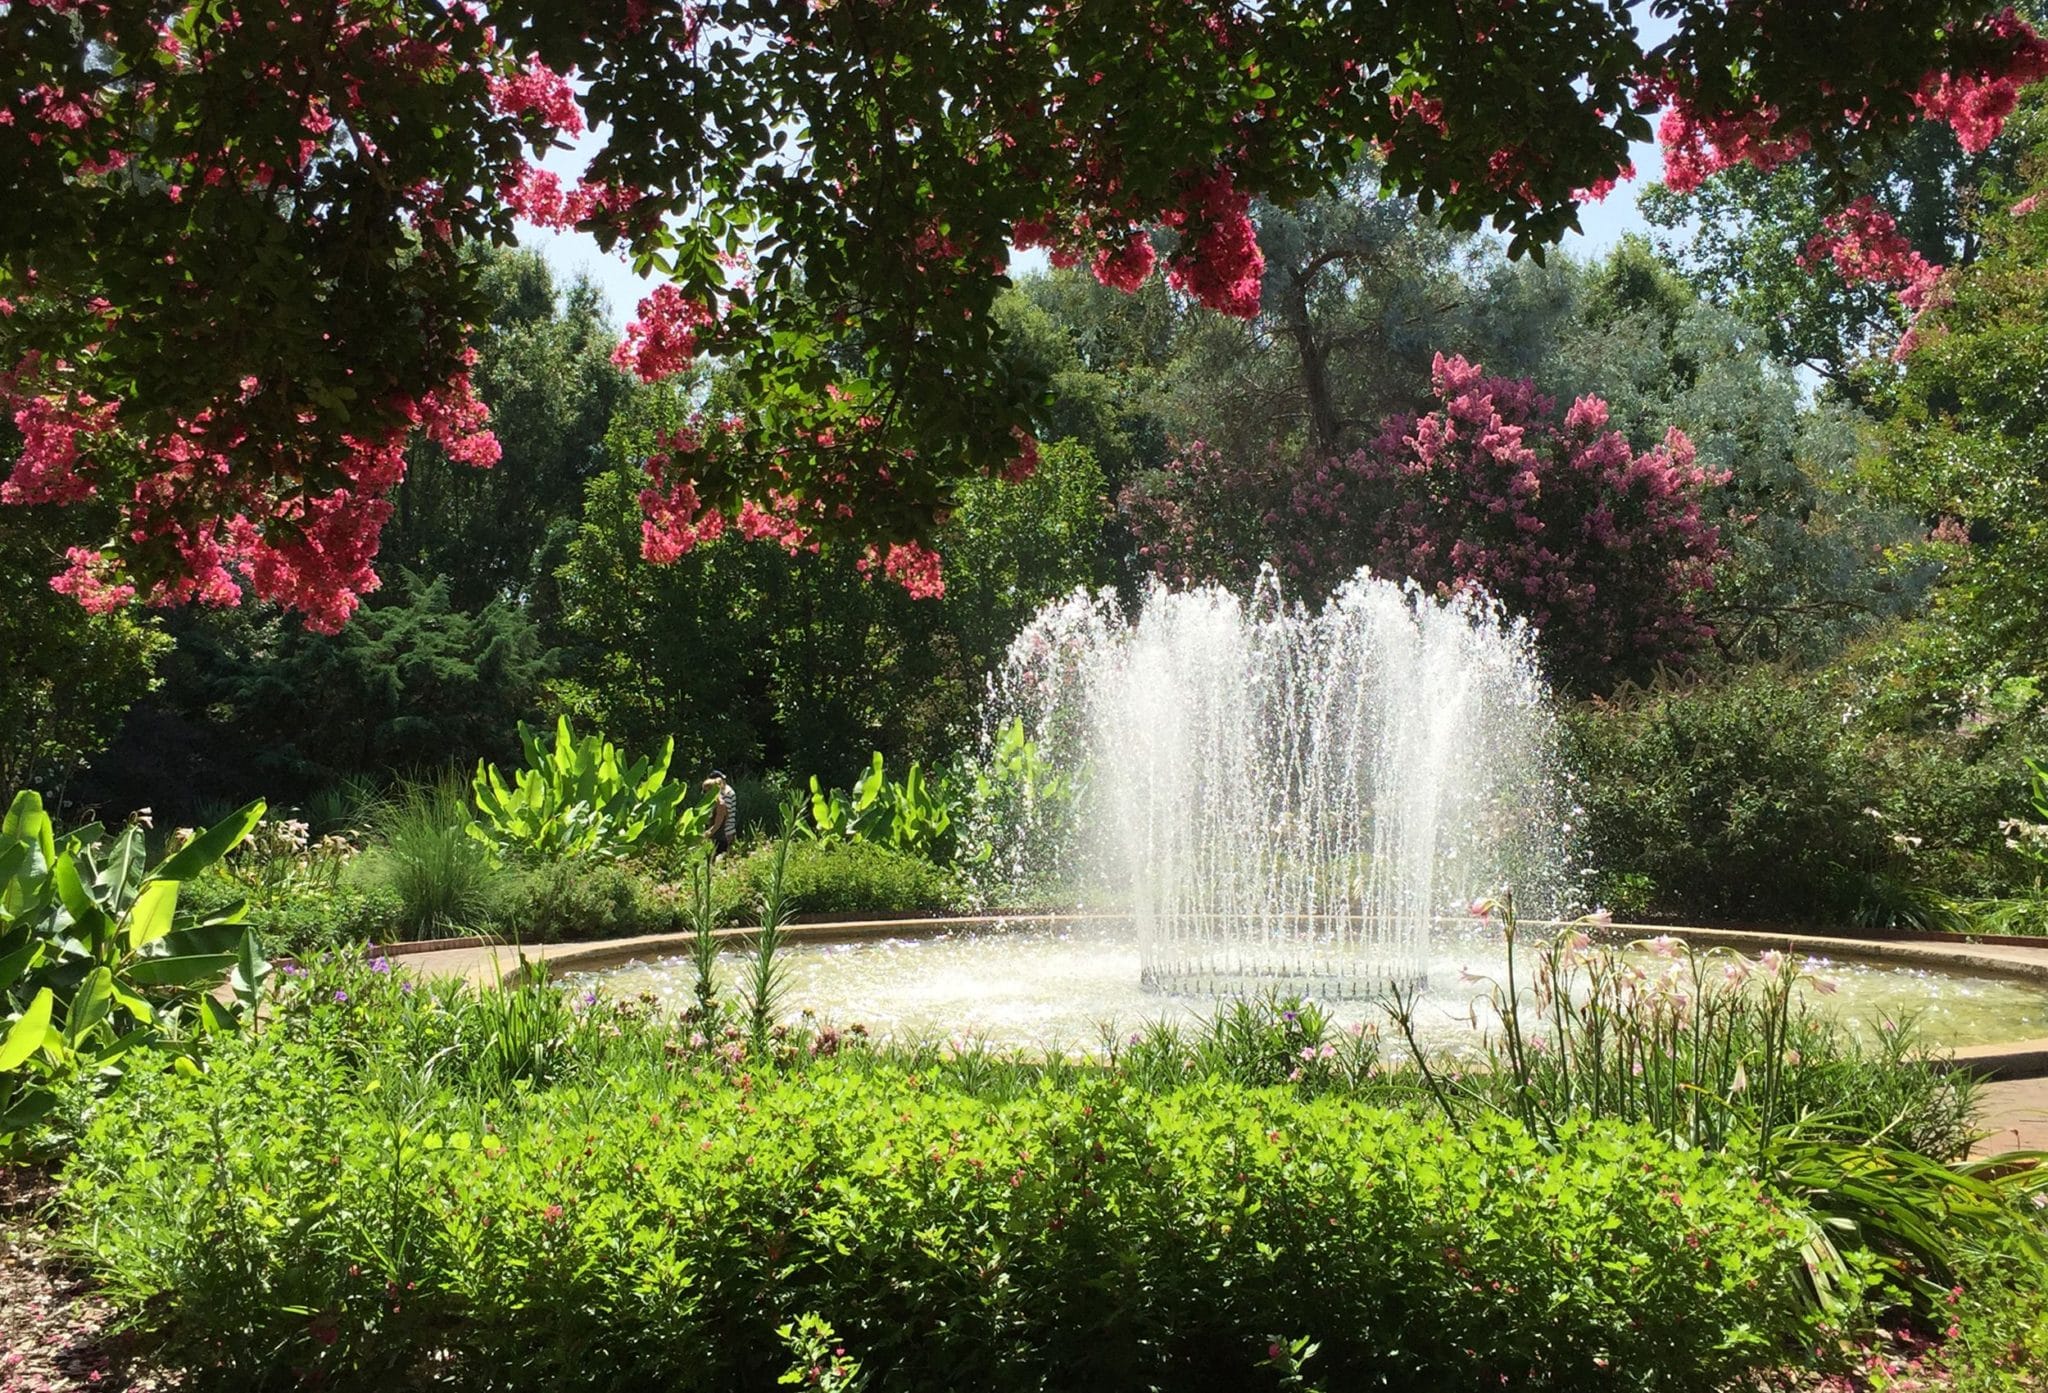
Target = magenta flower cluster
(1606,551)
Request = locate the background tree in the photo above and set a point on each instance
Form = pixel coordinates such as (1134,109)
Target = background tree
(1359,292)
(1603,550)
(1968,450)
(766,658)
(1810,558)
(1759,240)
(544,369)
(68,677)
(255,705)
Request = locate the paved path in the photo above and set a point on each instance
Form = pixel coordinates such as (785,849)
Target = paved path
(2014,1114)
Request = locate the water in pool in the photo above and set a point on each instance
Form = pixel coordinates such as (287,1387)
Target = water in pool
(1060,985)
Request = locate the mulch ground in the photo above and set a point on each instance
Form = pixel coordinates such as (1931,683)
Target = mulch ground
(54,1332)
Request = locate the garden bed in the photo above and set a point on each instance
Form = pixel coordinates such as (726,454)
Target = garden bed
(56,1332)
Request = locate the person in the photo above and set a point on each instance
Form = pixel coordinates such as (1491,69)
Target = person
(724,814)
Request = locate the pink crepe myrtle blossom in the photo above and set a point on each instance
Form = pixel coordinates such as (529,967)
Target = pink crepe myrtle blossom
(662,341)
(1604,549)
(539,89)
(1218,260)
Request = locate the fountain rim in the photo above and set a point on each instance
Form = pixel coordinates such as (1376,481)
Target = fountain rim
(2013,1059)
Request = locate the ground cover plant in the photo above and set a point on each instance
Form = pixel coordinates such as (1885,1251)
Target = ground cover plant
(622,1214)
(417,1184)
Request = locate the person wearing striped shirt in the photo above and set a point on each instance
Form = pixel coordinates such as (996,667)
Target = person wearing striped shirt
(724,814)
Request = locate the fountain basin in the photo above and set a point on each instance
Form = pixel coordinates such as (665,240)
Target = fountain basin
(1060,983)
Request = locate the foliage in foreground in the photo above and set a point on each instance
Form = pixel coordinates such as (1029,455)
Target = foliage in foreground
(97,958)
(381,1192)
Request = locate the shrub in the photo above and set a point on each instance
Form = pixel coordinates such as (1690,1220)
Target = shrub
(550,903)
(911,815)
(1735,799)
(852,877)
(581,799)
(423,855)
(1770,795)
(298,919)
(661,1221)
(98,958)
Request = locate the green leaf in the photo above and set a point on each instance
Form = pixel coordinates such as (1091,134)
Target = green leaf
(29,1034)
(183,970)
(217,1019)
(122,875)
(252,970)
(204,850)
(27,821)
(94,999)
(150,917)
(33,1106)
(93,923)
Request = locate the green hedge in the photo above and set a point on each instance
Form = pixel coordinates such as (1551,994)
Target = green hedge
(317,1210)
(853,877)
(299,919)
(577,900)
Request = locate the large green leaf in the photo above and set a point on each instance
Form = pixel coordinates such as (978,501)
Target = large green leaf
(30,1033)
(94,925)
(184,970)
(217,1018)
(122,874)
(16,965)
(211,937)
(13,860)
(89,1005)
(204,850)
(34,1105)
(150,918)
(27,821)
(252,970)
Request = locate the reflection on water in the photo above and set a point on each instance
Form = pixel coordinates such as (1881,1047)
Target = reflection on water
(1059,985)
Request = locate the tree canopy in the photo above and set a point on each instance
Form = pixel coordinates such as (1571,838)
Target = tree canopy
(235,273)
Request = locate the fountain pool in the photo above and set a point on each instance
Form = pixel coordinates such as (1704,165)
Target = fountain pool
(1275,799)
(1058,985)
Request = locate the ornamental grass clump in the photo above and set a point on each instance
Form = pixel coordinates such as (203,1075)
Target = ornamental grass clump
(423,853)
(362,1198)
(1709,1047)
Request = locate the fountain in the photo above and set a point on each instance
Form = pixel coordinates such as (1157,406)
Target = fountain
(1268,798)
(1290,799)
